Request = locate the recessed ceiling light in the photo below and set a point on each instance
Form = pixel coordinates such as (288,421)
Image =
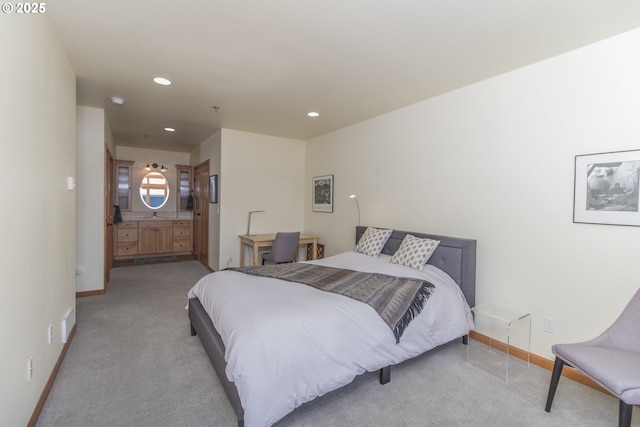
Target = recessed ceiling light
(170,129)
(313,114)
(162,81)
(117,100)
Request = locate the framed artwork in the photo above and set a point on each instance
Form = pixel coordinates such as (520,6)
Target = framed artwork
(213,189)
(322,193)
(606,188)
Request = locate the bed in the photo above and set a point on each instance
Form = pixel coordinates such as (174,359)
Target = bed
(278,344)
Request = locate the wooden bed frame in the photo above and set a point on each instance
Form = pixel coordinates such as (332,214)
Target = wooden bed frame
(455,256)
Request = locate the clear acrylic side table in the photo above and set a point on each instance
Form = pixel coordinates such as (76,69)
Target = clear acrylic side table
(492,316)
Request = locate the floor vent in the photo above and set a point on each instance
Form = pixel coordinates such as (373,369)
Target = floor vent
(67,324)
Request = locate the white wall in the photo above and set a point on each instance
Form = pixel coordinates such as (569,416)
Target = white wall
(91,128)
(259,172)
(143,156)
(494,161)
(255,172)
(37,267)
(210,150)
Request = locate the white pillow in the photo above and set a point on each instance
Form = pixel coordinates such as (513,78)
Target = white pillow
(414,252)
(372,241)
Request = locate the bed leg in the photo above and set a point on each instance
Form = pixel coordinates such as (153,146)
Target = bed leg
(193,331)
(465,339)
(385,375)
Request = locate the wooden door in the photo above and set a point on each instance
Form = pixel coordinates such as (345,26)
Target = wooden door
(146,240)
(109,180)
(201,213)
(164,240)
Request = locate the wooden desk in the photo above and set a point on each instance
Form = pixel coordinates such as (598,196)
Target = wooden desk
(257,241)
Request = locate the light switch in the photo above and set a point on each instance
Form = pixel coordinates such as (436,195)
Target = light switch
(71,183)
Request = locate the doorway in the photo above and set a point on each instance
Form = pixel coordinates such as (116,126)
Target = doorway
(109,171)
(201,213)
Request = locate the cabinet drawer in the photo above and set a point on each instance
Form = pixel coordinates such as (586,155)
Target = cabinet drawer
(182,245)
(127,235)
(179,232)
(127,248)
(155,224)
(128,224)
(182,223)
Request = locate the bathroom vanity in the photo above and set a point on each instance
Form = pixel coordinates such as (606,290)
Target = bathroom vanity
(157,214)
(152,237)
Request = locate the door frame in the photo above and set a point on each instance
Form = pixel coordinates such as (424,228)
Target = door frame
(201,213)
(109,194)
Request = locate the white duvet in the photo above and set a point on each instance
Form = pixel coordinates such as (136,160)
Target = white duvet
(288,343)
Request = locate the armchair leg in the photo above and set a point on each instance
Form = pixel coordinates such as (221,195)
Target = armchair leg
(625,415)
(555,377)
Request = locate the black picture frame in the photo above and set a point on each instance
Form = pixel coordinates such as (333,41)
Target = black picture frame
(213,189)
(606,188)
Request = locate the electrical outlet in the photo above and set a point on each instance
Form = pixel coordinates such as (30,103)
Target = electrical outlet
(549,325)
(50,333)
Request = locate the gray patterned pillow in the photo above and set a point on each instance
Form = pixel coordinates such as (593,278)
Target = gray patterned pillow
(372,241)
(414,252)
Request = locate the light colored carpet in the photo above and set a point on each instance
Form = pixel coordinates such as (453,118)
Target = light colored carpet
(133,362)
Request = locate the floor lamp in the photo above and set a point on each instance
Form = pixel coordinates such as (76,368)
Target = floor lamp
(354,197)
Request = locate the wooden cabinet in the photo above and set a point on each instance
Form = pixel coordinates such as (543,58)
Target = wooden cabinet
(184,187)
(126,239)
(123,184)
(139,239)
(155,237)
(182,241)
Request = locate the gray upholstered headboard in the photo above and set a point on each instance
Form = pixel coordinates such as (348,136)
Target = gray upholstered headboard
(455,256)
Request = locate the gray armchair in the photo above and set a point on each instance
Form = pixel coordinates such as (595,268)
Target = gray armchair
(284,249)
(612,360)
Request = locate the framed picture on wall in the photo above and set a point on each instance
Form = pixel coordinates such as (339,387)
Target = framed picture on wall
(606,188)
(322,193)
(213,189)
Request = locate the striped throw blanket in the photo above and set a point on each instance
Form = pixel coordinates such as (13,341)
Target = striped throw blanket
(397,300)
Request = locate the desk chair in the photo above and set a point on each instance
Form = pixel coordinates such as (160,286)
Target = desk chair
(284,249)
(612,360)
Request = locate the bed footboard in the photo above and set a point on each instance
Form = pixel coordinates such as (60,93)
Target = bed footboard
(201,325)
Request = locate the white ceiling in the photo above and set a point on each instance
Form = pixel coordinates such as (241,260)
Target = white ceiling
(265,64)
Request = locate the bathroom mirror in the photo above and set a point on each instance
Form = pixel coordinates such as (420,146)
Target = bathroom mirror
(154,190)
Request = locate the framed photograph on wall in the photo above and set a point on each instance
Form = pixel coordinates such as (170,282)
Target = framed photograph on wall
(322,193)
(213,189)
(606,188)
